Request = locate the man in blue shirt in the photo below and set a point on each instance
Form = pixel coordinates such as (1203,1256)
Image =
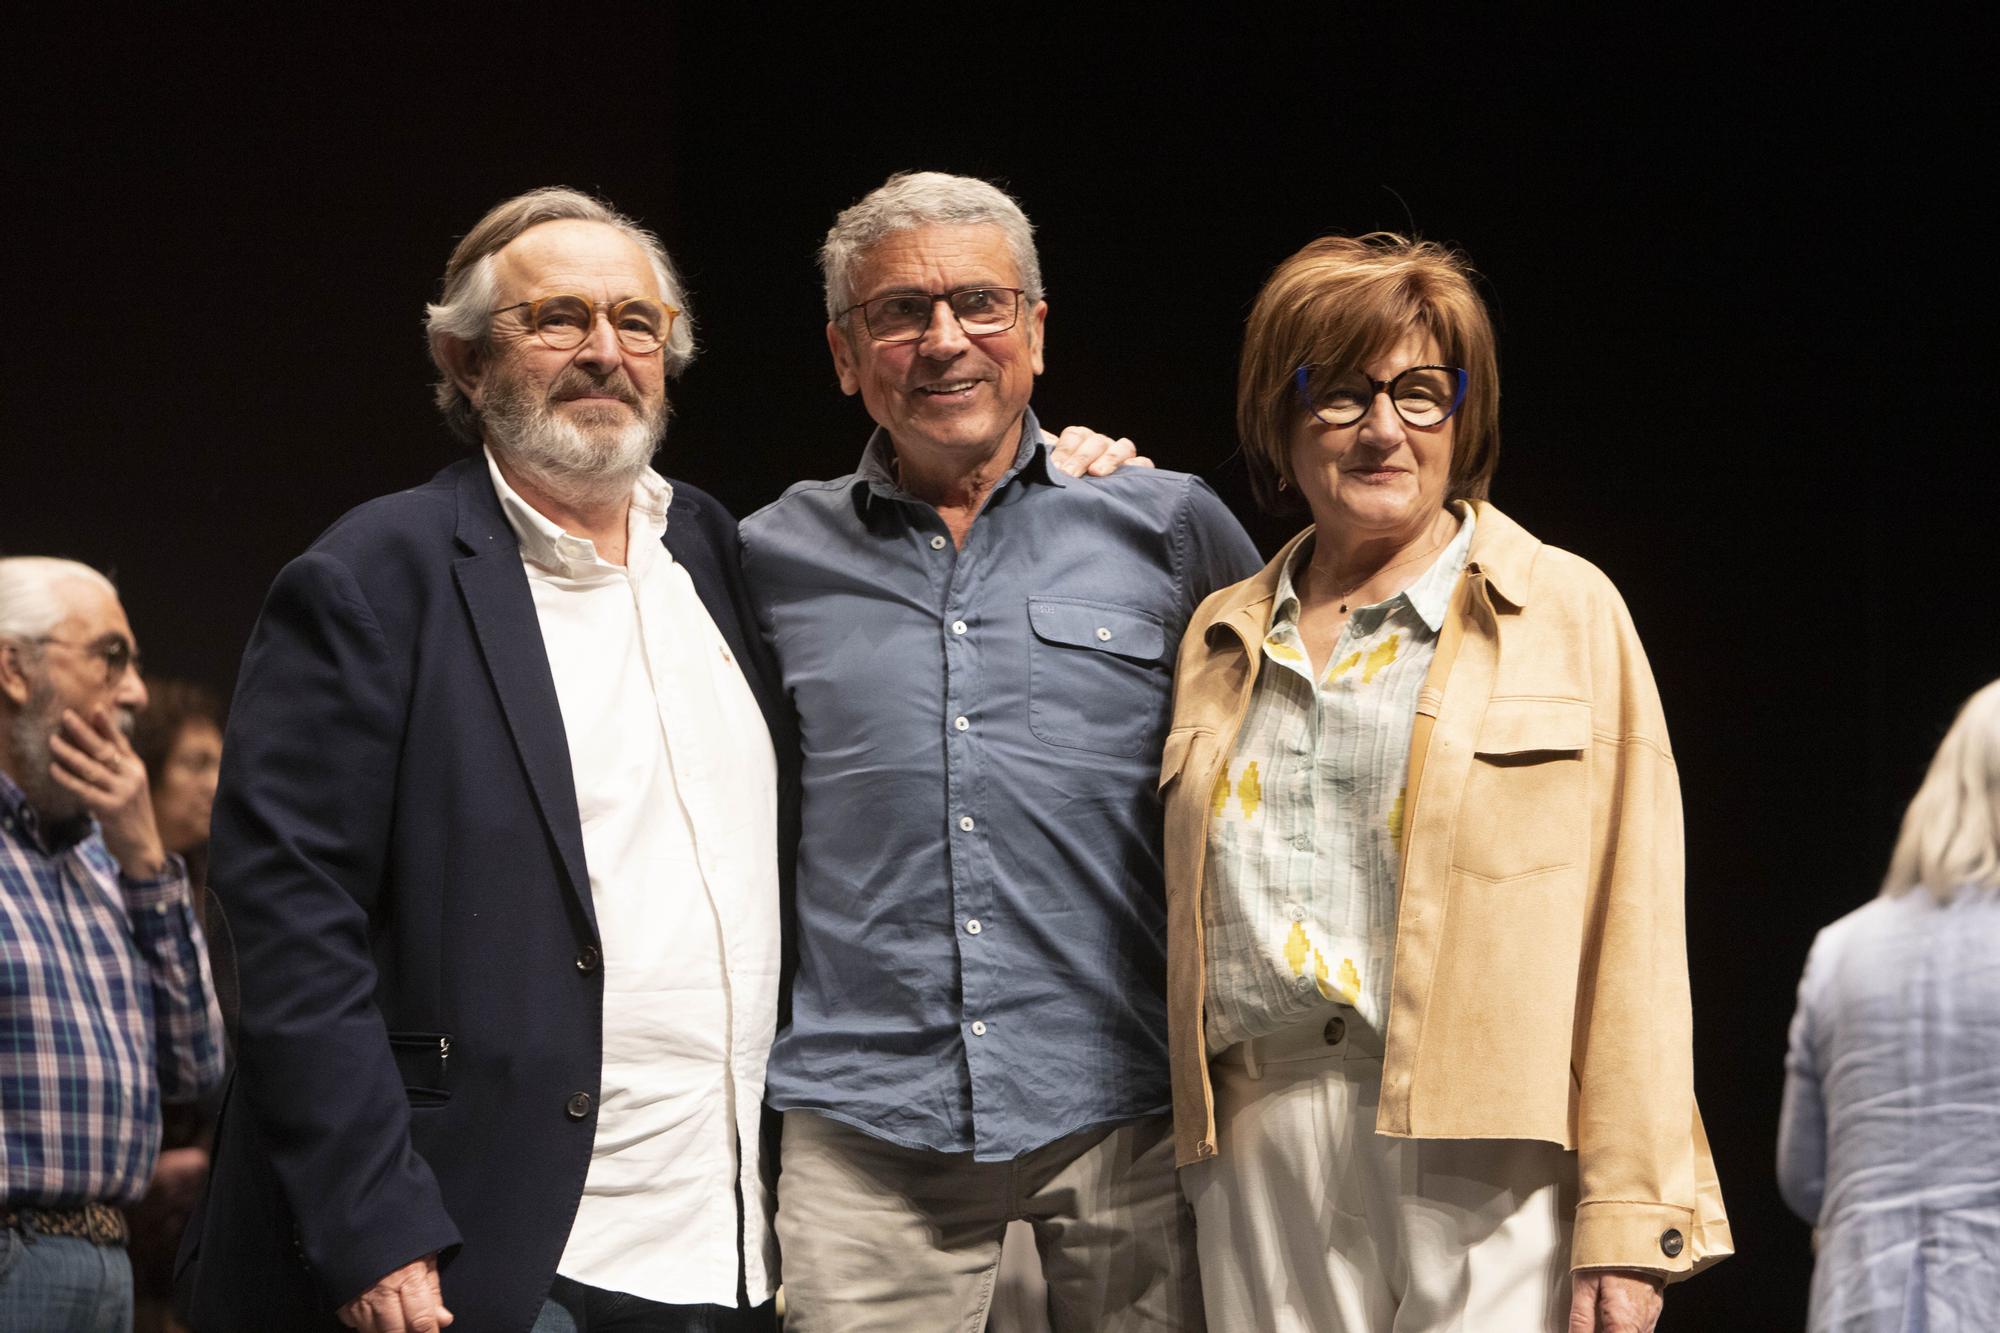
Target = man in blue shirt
(980,652)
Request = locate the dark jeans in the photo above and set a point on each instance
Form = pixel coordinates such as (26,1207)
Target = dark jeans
(574,1308)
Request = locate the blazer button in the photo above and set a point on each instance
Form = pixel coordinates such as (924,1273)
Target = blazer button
(1671,1244)
(587,960)
(578,1105)
(1336,1030)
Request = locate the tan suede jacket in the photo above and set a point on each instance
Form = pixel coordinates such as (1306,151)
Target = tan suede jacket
(1540,987)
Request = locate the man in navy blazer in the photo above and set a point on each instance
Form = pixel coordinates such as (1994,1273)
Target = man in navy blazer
(446,832)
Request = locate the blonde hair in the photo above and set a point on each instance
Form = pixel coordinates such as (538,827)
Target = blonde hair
(1340,301)
(1951,832)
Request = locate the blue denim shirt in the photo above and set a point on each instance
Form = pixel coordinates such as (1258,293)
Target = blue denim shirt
(981,932)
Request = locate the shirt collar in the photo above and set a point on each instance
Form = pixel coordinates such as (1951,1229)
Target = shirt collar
(875,476)
(1429,597)
(17,816)
(546,545)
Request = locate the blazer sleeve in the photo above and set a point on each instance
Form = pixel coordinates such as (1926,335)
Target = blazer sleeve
(302,829)
(1649,1198)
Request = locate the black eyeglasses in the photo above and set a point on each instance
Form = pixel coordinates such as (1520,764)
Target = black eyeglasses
(1421,395)
(115,650)
(904,317)
(563,321)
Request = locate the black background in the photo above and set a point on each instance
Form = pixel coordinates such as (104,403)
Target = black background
(1736,271)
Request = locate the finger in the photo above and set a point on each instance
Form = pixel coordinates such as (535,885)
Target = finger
(349,1314)
(418,1312)
(1582,1305)
(436,1286)
(386,1314)
(1112,458)
(90,738)
(82,763)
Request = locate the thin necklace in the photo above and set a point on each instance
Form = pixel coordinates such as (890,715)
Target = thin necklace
(1376,574)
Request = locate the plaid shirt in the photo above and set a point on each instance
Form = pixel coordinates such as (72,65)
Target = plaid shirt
(103,981)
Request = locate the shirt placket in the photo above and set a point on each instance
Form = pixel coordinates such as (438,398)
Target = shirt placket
(960,629)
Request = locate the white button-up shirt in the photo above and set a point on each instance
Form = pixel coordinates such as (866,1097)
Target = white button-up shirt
(676,788)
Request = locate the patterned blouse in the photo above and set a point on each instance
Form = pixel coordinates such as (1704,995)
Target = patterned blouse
(1306,820)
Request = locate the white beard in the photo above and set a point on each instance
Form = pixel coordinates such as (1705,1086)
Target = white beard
(592,463)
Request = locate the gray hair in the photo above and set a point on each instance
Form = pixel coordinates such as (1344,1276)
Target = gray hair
(465,304)
(31,603)
(1951,832)
(923,199)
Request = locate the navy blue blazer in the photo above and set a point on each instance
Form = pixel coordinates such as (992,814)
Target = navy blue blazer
(397,849)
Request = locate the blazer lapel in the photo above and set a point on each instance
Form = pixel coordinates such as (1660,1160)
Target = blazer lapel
(502,610)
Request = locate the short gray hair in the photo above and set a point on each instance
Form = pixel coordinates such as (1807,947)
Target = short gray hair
(923,199)
(464,308)
(30,603)
(1951,832)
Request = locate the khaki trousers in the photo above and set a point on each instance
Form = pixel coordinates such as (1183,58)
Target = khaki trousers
(1308,1221)
(879,1238)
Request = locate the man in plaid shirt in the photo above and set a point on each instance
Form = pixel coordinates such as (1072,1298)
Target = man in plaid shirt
(105,999)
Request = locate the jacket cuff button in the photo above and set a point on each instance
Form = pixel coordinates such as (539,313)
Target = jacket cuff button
(1672,1243)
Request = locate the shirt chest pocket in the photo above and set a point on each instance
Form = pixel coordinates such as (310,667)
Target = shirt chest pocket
(1098,676)
(1526,808)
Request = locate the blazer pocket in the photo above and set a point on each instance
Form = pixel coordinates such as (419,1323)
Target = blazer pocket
(1526,809)
(1098,676)
(424,1061)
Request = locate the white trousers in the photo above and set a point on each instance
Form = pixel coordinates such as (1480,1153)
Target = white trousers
(1308,1221)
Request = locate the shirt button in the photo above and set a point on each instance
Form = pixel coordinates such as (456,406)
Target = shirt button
(587,959)
(1302,982)
(1671,1244)
(965,822)
(1295,912)
(978,1028)
(1303,842)
(961,723)
(937,543)
(1103,634)
(958,627)
(578,1105)
(972,926)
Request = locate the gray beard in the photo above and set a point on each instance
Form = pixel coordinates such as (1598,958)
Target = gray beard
(580,464)
(32,727)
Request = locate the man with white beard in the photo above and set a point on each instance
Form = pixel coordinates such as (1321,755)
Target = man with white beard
(105,1002)
(498,836)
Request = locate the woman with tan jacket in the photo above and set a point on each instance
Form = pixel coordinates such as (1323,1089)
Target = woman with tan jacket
(1427,978)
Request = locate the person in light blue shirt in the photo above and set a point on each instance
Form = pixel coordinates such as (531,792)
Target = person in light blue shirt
(1890,1138)
(980,652)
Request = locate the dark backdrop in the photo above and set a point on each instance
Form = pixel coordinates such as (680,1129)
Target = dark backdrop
(1735,271)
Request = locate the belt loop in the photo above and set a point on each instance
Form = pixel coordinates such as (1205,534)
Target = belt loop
(1251,1064)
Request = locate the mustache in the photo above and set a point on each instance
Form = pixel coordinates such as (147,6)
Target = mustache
(574,381)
